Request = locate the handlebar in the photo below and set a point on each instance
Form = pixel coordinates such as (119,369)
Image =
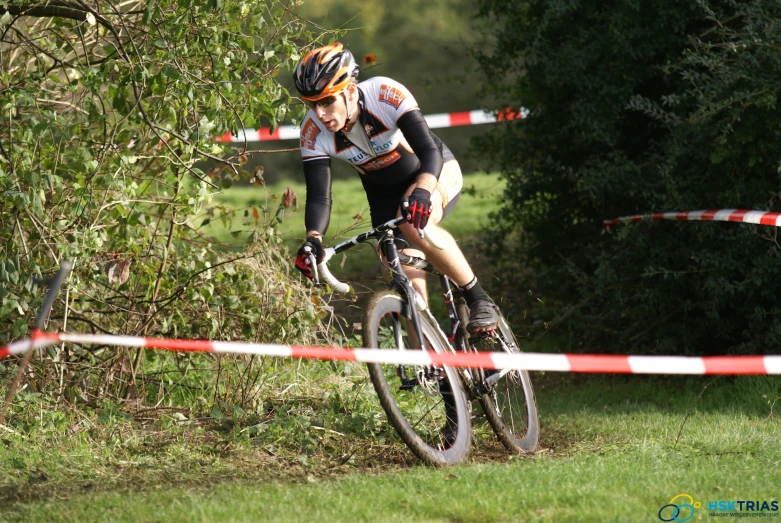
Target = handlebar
(321,270)
(329,278)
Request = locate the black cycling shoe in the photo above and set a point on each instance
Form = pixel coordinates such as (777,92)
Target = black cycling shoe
(483,317)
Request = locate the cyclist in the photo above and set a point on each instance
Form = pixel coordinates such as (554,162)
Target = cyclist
(377,127)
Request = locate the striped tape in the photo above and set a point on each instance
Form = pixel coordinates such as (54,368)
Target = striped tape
(435,121)
(772,219)
(591,363)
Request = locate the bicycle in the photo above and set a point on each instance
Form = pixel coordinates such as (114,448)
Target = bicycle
(430,407)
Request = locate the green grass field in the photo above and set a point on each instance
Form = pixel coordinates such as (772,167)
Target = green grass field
(613,449)
(317,447)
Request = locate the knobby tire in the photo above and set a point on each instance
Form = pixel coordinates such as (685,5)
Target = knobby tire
(383,304)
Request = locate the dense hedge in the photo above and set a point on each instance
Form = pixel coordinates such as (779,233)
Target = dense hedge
(107,112)
(638,107)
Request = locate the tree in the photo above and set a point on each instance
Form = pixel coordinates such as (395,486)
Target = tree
(107,109)
(638,107)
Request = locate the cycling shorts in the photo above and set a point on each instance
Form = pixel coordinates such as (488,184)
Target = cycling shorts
(385,208)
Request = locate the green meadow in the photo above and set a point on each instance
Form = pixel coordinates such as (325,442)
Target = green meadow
(613,449)
(317,447)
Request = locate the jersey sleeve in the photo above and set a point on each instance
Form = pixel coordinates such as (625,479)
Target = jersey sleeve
(311,134)
(317,212)
(394,98)
(423,142)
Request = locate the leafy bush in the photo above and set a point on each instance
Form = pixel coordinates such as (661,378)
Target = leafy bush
(638,107)
(107,110)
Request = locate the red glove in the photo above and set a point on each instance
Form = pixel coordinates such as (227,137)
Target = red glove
(312,246)
(418,209)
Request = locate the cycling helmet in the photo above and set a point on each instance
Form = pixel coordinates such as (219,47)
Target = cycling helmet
(324,72)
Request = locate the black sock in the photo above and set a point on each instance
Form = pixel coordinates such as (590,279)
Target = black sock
(473,292)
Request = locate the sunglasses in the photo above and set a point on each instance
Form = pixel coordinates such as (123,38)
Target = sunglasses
(323,102)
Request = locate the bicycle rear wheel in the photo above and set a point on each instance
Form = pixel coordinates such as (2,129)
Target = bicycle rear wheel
(426,405)
(508,403)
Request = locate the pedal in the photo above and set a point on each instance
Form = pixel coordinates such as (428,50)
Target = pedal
(487,341)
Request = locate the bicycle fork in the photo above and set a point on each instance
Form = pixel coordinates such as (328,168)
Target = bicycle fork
(429,377)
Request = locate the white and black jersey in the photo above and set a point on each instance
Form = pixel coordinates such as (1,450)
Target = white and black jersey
(396,145)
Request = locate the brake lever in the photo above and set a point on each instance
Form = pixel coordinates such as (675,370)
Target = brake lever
(313,264)
(422,234)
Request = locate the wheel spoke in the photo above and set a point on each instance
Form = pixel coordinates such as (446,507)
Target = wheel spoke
(417,408)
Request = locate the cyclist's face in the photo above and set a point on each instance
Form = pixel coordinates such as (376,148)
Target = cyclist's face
(332,110)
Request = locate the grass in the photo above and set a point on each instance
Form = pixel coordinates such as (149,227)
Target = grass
(316,446)
(614,448)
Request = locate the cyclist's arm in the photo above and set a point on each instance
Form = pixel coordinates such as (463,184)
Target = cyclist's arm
(418,136)
(317,213)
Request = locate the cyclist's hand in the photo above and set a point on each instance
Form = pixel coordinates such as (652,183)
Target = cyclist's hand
(418,210)
(312,246)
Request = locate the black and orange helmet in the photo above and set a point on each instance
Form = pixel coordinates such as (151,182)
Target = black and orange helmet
(324,71)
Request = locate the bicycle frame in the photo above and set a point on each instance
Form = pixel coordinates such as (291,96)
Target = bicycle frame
(402,284)
(476,383)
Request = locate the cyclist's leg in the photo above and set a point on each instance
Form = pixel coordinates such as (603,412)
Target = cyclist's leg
(483,315)
(384,208)
(450,260)
(416,276)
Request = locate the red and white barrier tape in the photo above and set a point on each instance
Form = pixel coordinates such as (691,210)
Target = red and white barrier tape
(435,121)
(772,219)
(593,363)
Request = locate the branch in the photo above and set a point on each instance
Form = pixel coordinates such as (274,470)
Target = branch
(60,9)
(60,102)
(688,413)
(261,151)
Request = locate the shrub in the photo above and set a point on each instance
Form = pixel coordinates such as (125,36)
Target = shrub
(108,110)
(639,107)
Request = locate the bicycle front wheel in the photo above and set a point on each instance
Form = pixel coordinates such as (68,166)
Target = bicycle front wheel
(508,398)
(427,405)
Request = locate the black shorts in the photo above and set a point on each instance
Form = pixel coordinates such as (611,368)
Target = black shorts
(385,209)
(383,206)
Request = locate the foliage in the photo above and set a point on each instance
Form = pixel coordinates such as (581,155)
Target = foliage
(423,44)
(638,107)
(107,108)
